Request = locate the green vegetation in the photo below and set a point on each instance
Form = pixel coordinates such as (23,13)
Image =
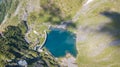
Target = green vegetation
(95,50)
(7,7)
(12,44)
(92,44)
(23,27)
(68,7)
(13,21)
(47,57)
(14,47)
(49,13)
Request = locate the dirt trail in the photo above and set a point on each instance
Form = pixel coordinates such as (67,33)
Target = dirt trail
(18,9)
(4,19)
(87,8)
(84,8)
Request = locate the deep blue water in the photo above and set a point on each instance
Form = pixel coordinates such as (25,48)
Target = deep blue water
(60,42)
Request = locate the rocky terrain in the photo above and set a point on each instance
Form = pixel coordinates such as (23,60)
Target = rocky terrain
(96,24)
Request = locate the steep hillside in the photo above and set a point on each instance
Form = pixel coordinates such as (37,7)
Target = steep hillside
(17,36)
(95,23)
(7,7)
(98,34)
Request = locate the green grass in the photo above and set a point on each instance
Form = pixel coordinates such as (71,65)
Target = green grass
(69,7)
(11,21)
(92,19)
(7,7)
(47,15)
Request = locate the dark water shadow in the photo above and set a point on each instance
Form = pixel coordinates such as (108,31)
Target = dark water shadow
(60,42)
(113,27)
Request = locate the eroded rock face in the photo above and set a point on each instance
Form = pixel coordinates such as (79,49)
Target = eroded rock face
(69,61)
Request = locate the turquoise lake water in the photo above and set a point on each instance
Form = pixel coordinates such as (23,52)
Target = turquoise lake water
(60,42)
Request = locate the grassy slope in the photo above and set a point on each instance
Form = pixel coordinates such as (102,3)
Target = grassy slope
(93,45)
(33,9)
(93,49)
(69,7)
(8,14)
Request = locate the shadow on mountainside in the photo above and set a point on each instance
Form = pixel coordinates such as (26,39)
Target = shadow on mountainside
(52,14)
(112,28)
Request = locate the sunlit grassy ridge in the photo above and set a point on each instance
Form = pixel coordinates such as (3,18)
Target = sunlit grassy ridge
(69,7)
(7,7)
(94,49)
(93,44)
(15,18)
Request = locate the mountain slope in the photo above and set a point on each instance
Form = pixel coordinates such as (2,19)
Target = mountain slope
(97,25)
(98,35)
